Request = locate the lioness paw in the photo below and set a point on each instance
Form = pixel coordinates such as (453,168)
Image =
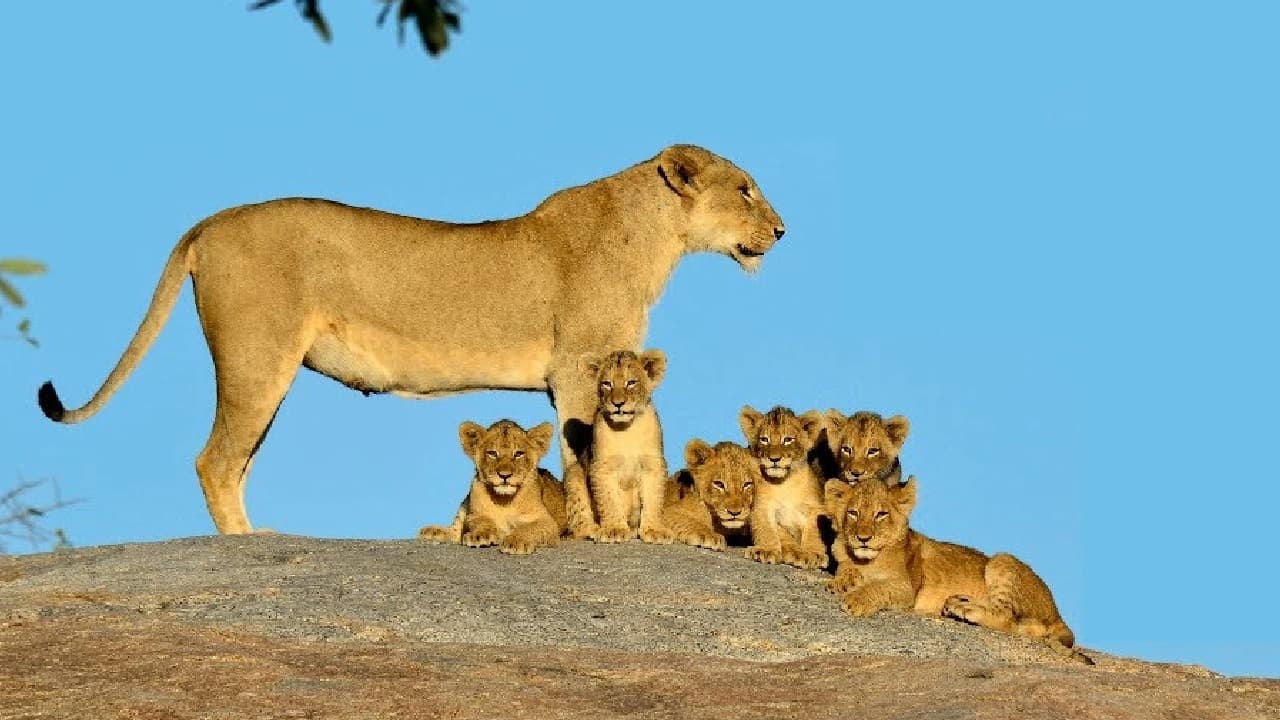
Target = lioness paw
(479,538)
(584,531)
(516,545)
(959,607)
(658,535)
(435,533)
(759,554)
(807,560)
(615,534)
(709,541)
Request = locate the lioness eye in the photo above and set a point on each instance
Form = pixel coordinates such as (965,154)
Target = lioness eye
(788,440)
(631,383)
(872,452)
(881,515)
(846,450)
(519,454)
(853,514)
(746,191)
(491,453)
(748,485)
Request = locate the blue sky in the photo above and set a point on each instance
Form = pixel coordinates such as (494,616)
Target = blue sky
(1045,234)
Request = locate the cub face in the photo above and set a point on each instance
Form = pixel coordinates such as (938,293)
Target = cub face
(864,444)
(727,211)
(724,478)
(625,382)
(506,455)
(779,438)
(871,515)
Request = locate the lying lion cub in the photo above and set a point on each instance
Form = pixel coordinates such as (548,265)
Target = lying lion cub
(626,470)
(883,564)
(513,503)
(784,520)
(719,503)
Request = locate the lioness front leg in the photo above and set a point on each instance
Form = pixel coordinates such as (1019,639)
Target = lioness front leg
(581,522)
(615,511)
(479,532)
(870,598)
(524,539)
(653,488)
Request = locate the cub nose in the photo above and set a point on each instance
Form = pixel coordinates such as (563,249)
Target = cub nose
(778,232)
(505,474)
(855,474)
(734,513)
(864,539)
(775,460)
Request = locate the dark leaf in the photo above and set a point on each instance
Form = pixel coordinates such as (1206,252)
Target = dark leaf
(453,20)
(386,10)
(434,36)
(22,266)
(262,3)
(311,12)
(11,294)
(25,326)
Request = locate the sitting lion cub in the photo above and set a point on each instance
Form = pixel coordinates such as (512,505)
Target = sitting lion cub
(883,564)
(784,520)
(719,503)
(626,471)
(513,503)
(865,445)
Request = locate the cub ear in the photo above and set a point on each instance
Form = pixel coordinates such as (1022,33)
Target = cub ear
(540,436)
(897,428)
(697,453)
(654,363)
(470,434)
(835,420)
(835,492)
(590,365)
(904,495)
(813,425)
(680,169)
(749,419)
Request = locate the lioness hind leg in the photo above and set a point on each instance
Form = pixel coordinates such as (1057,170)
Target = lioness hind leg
(253,371)
(581,521)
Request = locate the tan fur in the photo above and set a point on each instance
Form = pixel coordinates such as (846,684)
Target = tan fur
(626,470)
(513,503)
(884,564)
(784,521)
(388,303)
(718,505)
(865,445)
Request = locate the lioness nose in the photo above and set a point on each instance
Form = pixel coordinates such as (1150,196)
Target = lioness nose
(864,538)
(778,232)
(733,512)
(776,459)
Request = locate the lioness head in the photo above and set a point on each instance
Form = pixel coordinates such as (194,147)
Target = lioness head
(625,383)
(866,445)
(727,213)
(724,478)
(870,516)
(779,438)
(506,455)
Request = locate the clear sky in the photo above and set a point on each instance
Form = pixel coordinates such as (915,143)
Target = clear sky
(1045,234)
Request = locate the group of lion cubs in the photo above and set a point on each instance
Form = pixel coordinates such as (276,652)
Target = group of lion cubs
(771,494)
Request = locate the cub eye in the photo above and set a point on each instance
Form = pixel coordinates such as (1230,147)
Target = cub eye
(846,450)
(518,454)
(748,485)
(882,515)
(632,383)
(745,191)
(606,384)
(718,484)
(788,440)
(492,453)
(853,514)
(764,439)
(872,452)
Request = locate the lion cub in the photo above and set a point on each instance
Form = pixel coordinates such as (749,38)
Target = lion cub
(513,503)
(883,564)
(626,471)
(719,504)
(784,520)
(866,446)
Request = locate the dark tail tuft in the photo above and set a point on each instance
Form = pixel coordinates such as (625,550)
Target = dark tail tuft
(50,404)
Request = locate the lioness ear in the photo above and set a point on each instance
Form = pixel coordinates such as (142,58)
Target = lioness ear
(540,436)
(835,421)
(654,363)
(470,434)
(904,495)
(897,428)
(696,453)
(749,419)
(813,424)
(680,168)
(834,493)
(590,365)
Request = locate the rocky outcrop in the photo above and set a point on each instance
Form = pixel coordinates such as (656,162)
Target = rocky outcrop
(282,626)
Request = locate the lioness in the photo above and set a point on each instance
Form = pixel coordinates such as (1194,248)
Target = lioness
(719,503)
(387,303)
(513,503)
(784,520)
(626,469)
(883,564)
(867,446)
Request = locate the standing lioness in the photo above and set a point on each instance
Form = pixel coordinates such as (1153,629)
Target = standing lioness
(387,303)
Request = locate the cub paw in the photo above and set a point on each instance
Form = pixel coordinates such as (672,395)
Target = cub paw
(658,535)
(959,607)
(479,538)
(759,554)
(843,583)
(709,541)
(614,534)
(435,533)
(807,560)
(858,605)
